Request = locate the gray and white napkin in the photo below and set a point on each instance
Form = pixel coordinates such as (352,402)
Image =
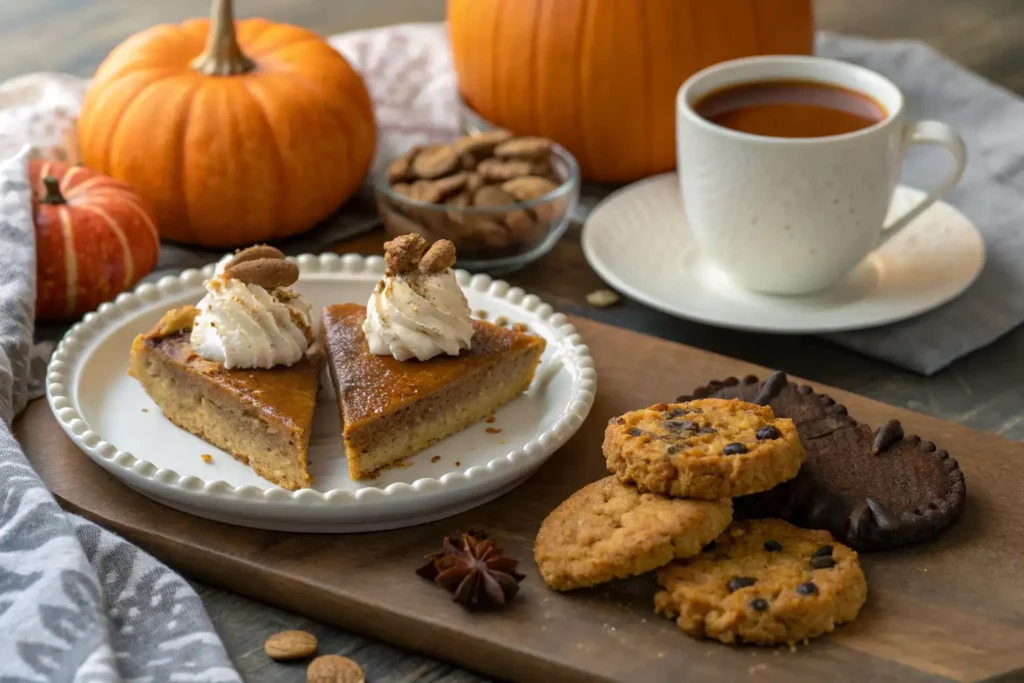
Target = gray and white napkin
(77,603)
(991,121)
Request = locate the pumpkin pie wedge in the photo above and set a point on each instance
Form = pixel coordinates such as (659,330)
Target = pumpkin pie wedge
(262,417)
(393,409)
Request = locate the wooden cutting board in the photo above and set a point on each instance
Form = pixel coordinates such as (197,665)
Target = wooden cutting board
(949,609)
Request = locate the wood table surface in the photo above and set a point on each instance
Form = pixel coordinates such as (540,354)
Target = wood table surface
(984,390)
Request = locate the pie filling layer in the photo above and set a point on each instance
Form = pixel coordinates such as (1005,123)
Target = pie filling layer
(261,417)
(393,409)
(376,444)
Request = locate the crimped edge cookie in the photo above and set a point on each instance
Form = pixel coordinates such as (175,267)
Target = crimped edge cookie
(610,530)
(861,521)
(643,458)
(822,585)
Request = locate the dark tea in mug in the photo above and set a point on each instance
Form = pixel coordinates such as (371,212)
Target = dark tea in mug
(790,109)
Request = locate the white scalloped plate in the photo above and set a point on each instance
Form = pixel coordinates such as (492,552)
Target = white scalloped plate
(108,415)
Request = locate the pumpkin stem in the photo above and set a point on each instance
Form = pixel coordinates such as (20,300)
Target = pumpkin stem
(222,55)
(53,195)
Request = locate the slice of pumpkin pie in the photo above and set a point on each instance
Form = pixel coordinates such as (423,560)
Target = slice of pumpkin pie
(240,371)
(412,367)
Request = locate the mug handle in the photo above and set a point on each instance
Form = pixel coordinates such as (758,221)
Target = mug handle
(930,133)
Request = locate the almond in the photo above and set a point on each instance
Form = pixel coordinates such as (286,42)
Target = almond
(403,253)
(400,169)
(334,669)
(500,170)
(528,187)
(435,162)
(439,258)
(256,251)
(492,195)
(483,144)
(290,645)
(529,148)
(268,273)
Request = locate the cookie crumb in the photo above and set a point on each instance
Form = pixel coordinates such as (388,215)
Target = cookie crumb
(458,464)
(602,298)
(482,314)
(494,430)
(491,420)
(435,458)
(145,410)
(207,458)
(501,321)
(521,327)
(502,442)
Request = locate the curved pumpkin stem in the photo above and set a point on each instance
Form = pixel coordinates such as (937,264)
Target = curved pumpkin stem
(222,55)
(53,194)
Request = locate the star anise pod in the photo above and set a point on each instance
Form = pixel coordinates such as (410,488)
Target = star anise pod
(474,569)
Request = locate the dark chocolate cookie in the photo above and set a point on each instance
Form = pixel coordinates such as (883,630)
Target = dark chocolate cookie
(872,490)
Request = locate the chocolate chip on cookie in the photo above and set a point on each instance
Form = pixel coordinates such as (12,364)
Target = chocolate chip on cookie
(873,489)
(713,453)
(742,592)
(609,530)
(740,582)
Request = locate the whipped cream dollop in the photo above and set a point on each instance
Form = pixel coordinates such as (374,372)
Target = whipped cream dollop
(418,315)
(244,325)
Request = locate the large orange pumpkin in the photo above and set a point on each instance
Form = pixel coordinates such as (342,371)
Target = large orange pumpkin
(254,137)
(95,238)
(600,76)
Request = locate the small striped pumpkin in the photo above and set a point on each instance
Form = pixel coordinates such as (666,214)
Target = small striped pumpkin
(95,238)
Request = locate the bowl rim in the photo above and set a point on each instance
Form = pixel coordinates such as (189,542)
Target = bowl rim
(568,186)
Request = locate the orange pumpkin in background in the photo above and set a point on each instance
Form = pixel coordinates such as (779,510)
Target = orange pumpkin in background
(235,132)
(95,238)
(600,76)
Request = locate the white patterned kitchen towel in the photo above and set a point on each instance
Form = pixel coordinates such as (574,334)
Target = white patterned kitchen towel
(77,603)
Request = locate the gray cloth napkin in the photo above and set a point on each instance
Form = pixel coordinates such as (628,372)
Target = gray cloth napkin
(77,603)
(991,121)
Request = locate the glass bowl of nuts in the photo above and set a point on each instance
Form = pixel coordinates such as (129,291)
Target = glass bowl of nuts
(503,200)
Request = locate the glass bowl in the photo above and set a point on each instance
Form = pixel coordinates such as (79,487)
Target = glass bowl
(496,239)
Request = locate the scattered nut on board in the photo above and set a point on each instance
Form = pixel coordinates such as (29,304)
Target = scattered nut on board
(334,669)
(290,645)
(602,298)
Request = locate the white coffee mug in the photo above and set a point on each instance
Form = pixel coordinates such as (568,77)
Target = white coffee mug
(795,215)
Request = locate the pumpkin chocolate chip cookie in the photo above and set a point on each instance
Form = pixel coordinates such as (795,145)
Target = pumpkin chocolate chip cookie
(764,582)
(609,530)
(709,448)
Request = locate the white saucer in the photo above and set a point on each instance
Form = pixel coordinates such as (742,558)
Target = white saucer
(108,415)
(638,241)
